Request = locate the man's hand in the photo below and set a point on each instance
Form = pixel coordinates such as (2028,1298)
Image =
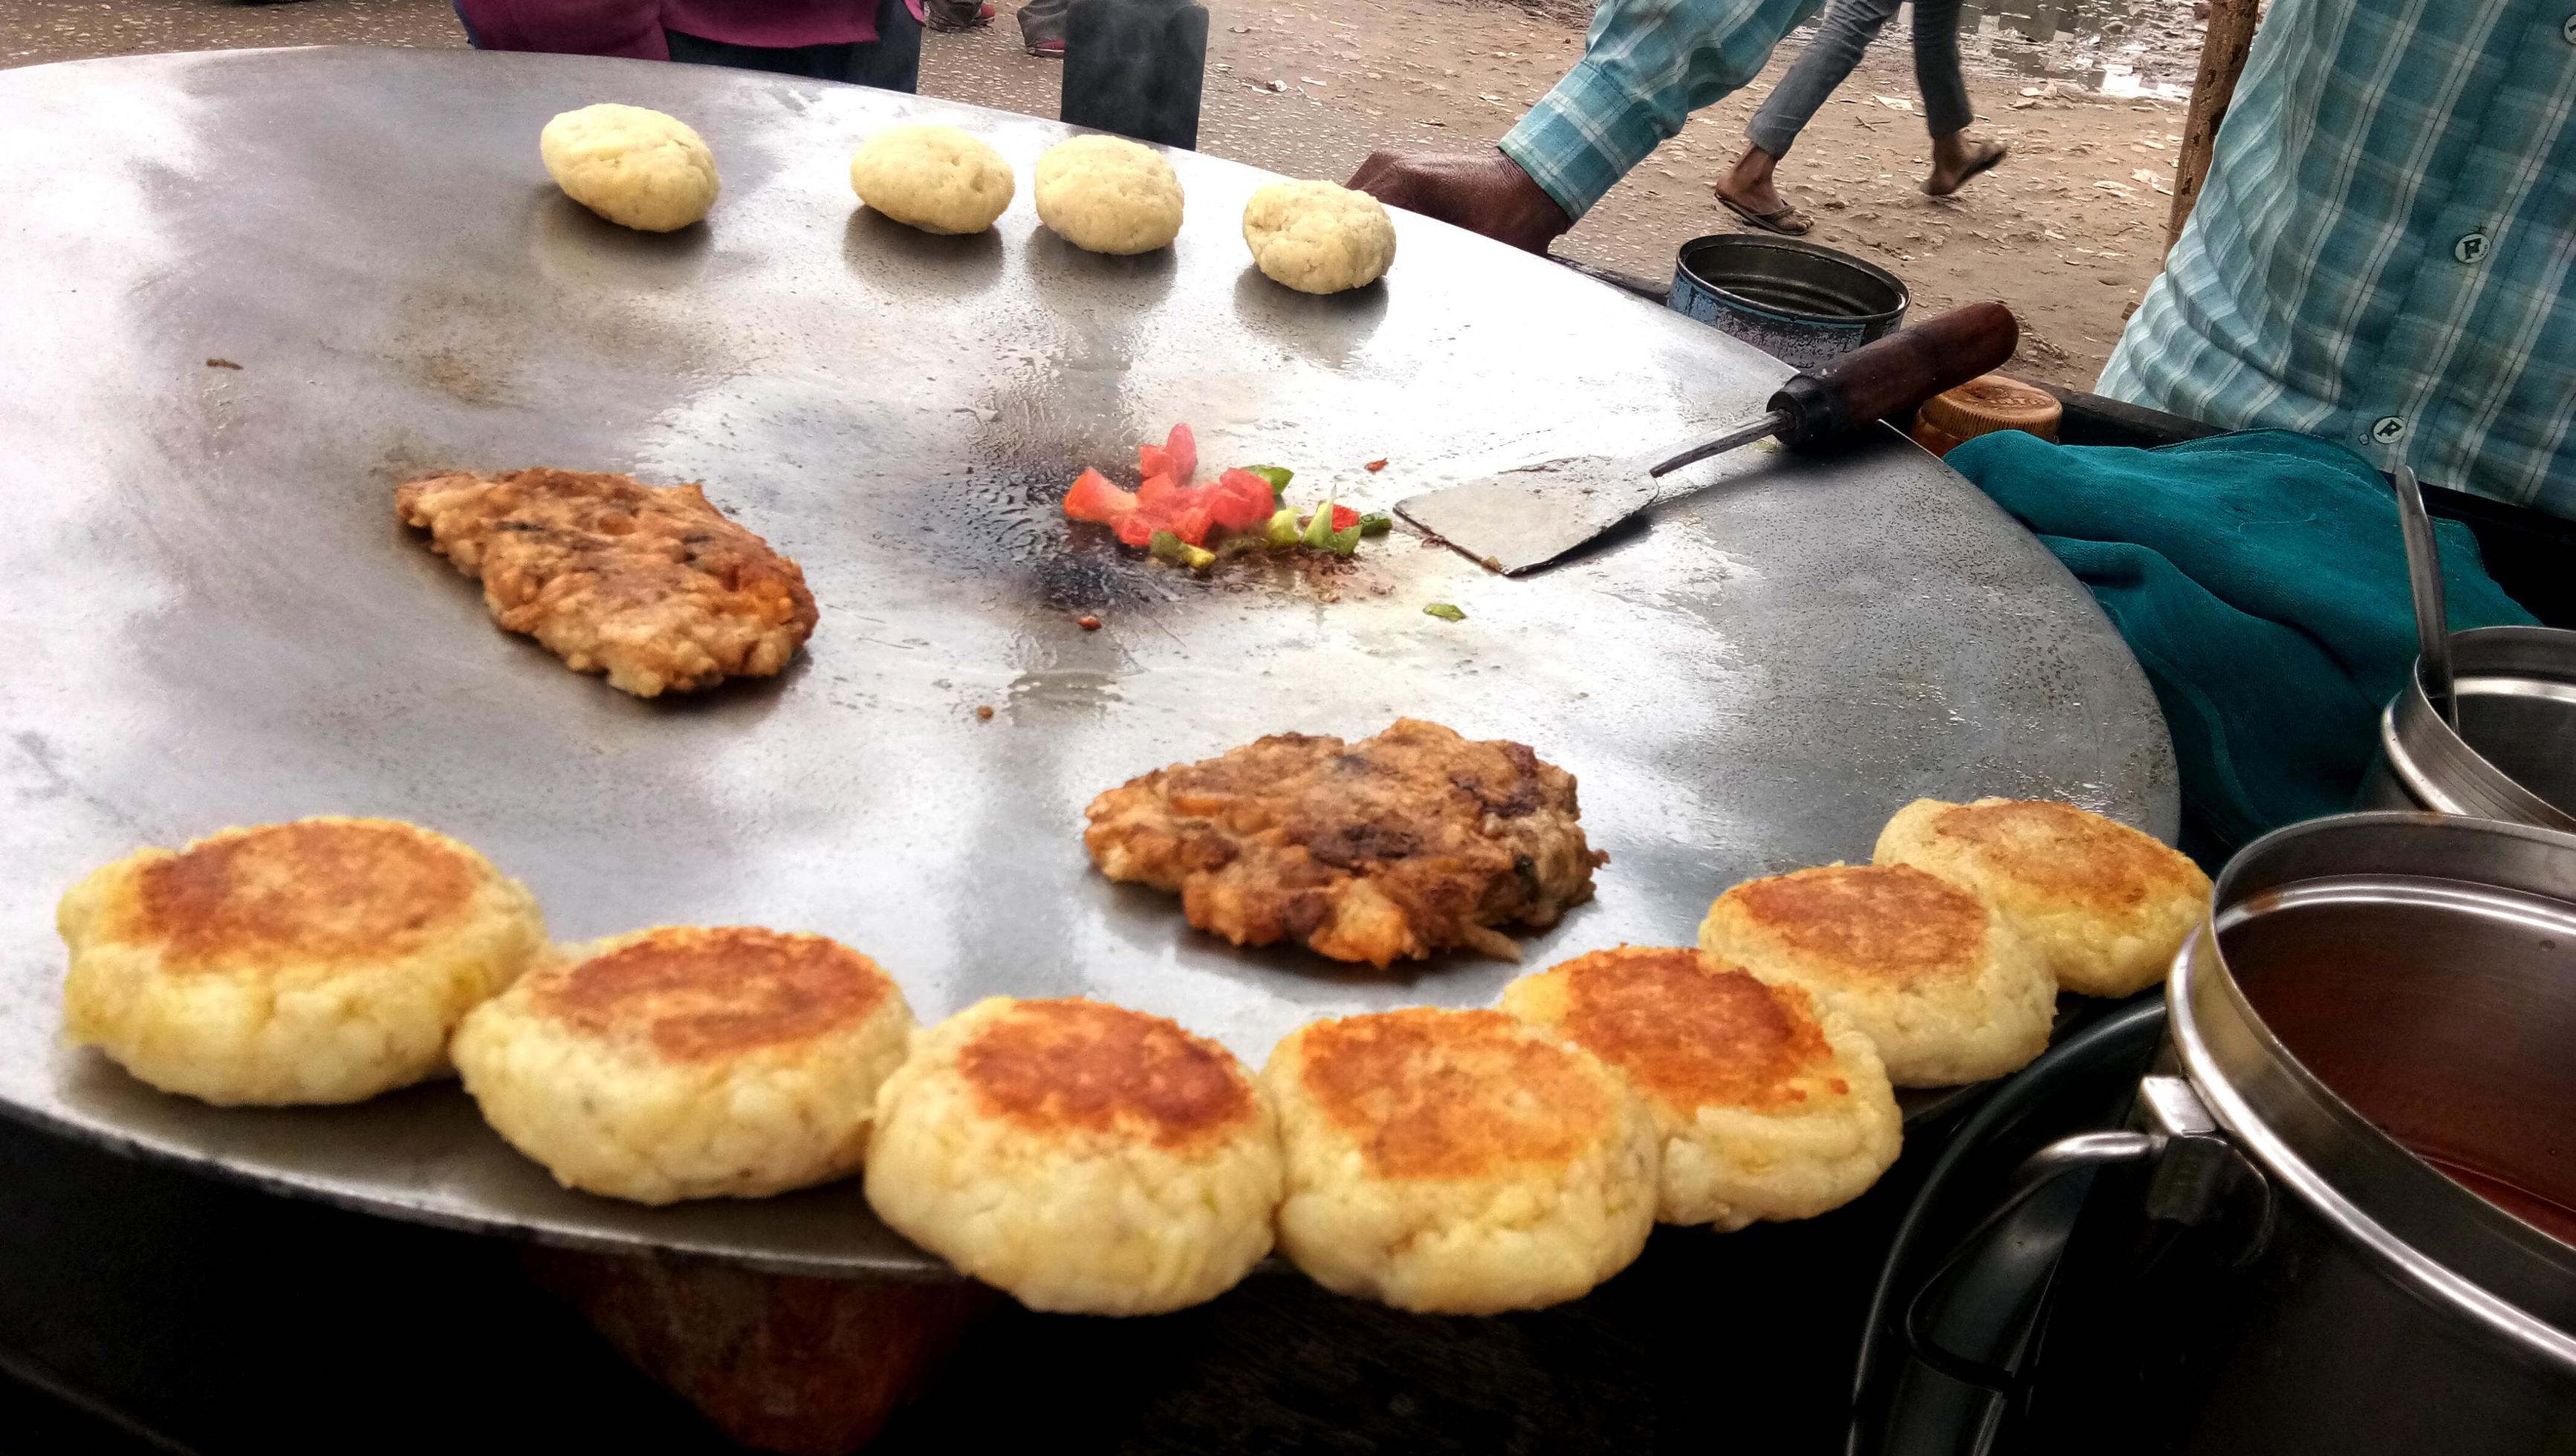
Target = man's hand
(1484,193)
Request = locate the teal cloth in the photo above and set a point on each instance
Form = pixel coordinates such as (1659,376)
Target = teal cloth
(2261,580)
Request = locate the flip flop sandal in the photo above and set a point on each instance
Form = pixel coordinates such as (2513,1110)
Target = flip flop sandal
(1785,220)
(1985,162)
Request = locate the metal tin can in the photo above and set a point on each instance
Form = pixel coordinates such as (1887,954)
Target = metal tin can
(1799,302)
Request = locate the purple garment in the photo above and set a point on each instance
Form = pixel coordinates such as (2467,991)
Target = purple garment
(569,27)
(775,24)
(634,27)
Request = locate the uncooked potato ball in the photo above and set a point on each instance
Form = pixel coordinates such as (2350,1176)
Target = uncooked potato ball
(935,178)
(1318,238)
(1107,194)
(631,165)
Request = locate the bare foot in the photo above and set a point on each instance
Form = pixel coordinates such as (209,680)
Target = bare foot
(1955,159)
(1484,193)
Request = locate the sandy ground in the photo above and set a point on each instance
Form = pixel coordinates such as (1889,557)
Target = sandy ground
(2068,231)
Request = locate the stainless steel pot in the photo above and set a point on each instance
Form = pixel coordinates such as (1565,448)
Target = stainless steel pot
(2513,757)
(2323,1229)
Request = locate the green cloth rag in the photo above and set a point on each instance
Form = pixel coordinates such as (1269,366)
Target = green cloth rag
(2261,580)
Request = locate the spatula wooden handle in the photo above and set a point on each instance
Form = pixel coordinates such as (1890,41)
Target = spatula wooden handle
(1894,375)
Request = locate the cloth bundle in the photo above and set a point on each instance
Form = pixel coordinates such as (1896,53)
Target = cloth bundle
(2261,580)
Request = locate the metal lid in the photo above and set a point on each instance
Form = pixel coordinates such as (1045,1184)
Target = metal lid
(2424,966)
(2513,757)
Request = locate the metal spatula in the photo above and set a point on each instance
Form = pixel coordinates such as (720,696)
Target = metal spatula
(1523,519)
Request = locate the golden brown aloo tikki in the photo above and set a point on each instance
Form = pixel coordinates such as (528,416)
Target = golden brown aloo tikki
(1939,982)
(1396,846)
(689,1062)
(1087,1158)
(2105,905)
(325,960)
(1770,1105)
(648,584)
(1457,1162)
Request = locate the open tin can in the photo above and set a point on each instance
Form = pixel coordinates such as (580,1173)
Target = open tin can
(1801,303)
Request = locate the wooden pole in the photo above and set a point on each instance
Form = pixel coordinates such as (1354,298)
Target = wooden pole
(2222,60)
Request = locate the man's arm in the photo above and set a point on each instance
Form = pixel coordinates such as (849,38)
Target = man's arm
(1647,65)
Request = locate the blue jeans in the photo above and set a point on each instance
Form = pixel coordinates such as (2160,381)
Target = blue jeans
(1848,28)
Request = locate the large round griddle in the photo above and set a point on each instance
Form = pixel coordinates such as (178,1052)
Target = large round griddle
(213,617)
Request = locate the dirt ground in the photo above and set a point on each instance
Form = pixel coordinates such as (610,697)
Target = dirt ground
(2068,230)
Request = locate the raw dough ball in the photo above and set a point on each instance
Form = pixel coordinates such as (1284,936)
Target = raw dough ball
(935,178)
(1109,195)
(1318,238)
(630,165)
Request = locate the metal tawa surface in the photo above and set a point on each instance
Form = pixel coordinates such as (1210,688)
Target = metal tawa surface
(213,617)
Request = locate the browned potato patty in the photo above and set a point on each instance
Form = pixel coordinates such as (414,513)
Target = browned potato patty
(1392,847)
(648,584)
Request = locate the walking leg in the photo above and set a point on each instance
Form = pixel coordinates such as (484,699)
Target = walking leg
(1748,190)
(1946,112)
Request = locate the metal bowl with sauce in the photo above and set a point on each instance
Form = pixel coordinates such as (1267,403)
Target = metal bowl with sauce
(2342,1217)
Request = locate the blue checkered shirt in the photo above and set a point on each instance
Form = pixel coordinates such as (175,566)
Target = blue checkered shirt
(2382,252)
(1647,65)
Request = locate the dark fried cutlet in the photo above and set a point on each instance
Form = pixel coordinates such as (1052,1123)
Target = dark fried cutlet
(1392,847)
(650,585)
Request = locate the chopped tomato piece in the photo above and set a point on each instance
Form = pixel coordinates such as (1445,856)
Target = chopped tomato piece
(1375,466)
(1177,457)
(1157,491)
(1344,518)
(1093,498)
(1194,519)
(1242,500)
(1137,528)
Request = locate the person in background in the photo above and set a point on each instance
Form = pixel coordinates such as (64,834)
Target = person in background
(1647,65)
(958,14)
(870,42)
(1849,26)
(2384,253)
(1042,27)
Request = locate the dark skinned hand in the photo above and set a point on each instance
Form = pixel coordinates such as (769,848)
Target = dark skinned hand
(1484,192)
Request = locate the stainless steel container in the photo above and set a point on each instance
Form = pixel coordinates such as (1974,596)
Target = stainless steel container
(2513,756)
(2328,1227)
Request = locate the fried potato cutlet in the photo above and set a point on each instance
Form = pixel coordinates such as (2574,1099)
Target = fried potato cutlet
(1457,1162)
(2105,906)
(1770,1105)
(1087,1158)
(648,584)
(321,961)
(689,1062)
(1940,983)
(1392,847)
